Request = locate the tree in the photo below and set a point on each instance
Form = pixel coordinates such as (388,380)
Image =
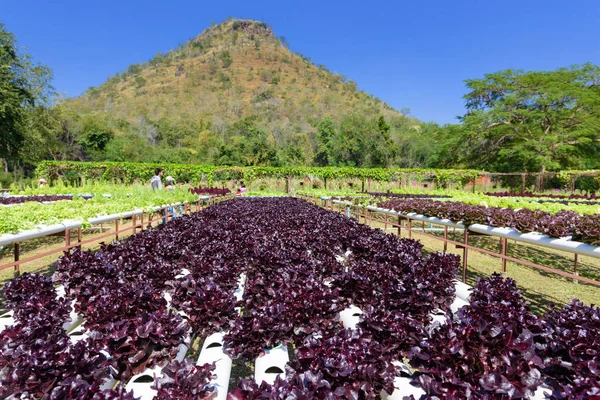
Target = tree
(533,121)
(325,134)
(382,149)
(22,86)
(351,142)
(247,145)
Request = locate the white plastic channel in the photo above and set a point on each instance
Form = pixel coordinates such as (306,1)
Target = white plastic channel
(350,317)
(74,318)
(141,384)
(536,238)
(78,333)
(212,351)
(6,320)
(239,291)
(271,365)
(402,386)
(10,238)
(539,239)
(457,304)
(463,291)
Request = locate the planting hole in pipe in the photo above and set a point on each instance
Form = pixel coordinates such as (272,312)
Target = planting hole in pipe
(357,314)
(144,379)
(215,344)
(273,370)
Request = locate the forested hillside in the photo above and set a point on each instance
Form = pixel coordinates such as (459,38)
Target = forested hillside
(236,95)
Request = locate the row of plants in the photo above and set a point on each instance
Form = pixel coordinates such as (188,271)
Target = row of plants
(583,228)
(10,200)
(572,196)
(295,286)
(302,265)
(106,199)
(407,195)
(210,191)
(129,172)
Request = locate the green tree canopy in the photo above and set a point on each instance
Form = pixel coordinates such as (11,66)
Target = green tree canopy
(533,121)
(23,85)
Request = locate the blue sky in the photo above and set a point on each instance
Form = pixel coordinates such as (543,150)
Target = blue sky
(410,54)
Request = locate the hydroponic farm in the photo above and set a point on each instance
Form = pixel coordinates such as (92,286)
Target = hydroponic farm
(276,298)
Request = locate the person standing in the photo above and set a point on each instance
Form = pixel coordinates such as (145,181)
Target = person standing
(169,183)
(156,182)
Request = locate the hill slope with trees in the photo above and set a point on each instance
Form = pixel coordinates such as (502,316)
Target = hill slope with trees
(236,95)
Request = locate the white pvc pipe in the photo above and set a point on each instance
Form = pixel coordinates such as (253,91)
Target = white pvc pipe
(74,318)
(539,393)
(271,365)
(463,291)
(440,319)
(239,291)
(6,320)
(129,214)
(103,219)
(457,304)
(6,239)
(183,273)
(350,317)
(78,334)
(71,224)
(402,387)
(141,384)
(212,352)
(536,238)
(43,231)
(539,239)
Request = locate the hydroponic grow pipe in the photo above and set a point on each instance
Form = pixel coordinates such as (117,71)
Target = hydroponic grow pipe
(536,238)
(539,239)
(10,238)
(212,351)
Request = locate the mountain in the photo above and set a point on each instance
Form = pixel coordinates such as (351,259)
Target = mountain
(232,91)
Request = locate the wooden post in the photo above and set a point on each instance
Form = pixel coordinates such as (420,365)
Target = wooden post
(445,239)
(79,236)
(399,227)
(67,237)
(575,267)
(523,177)
(133,223)
(410,228)
(465,255)
(116,229)
(504,247)
(17,253)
